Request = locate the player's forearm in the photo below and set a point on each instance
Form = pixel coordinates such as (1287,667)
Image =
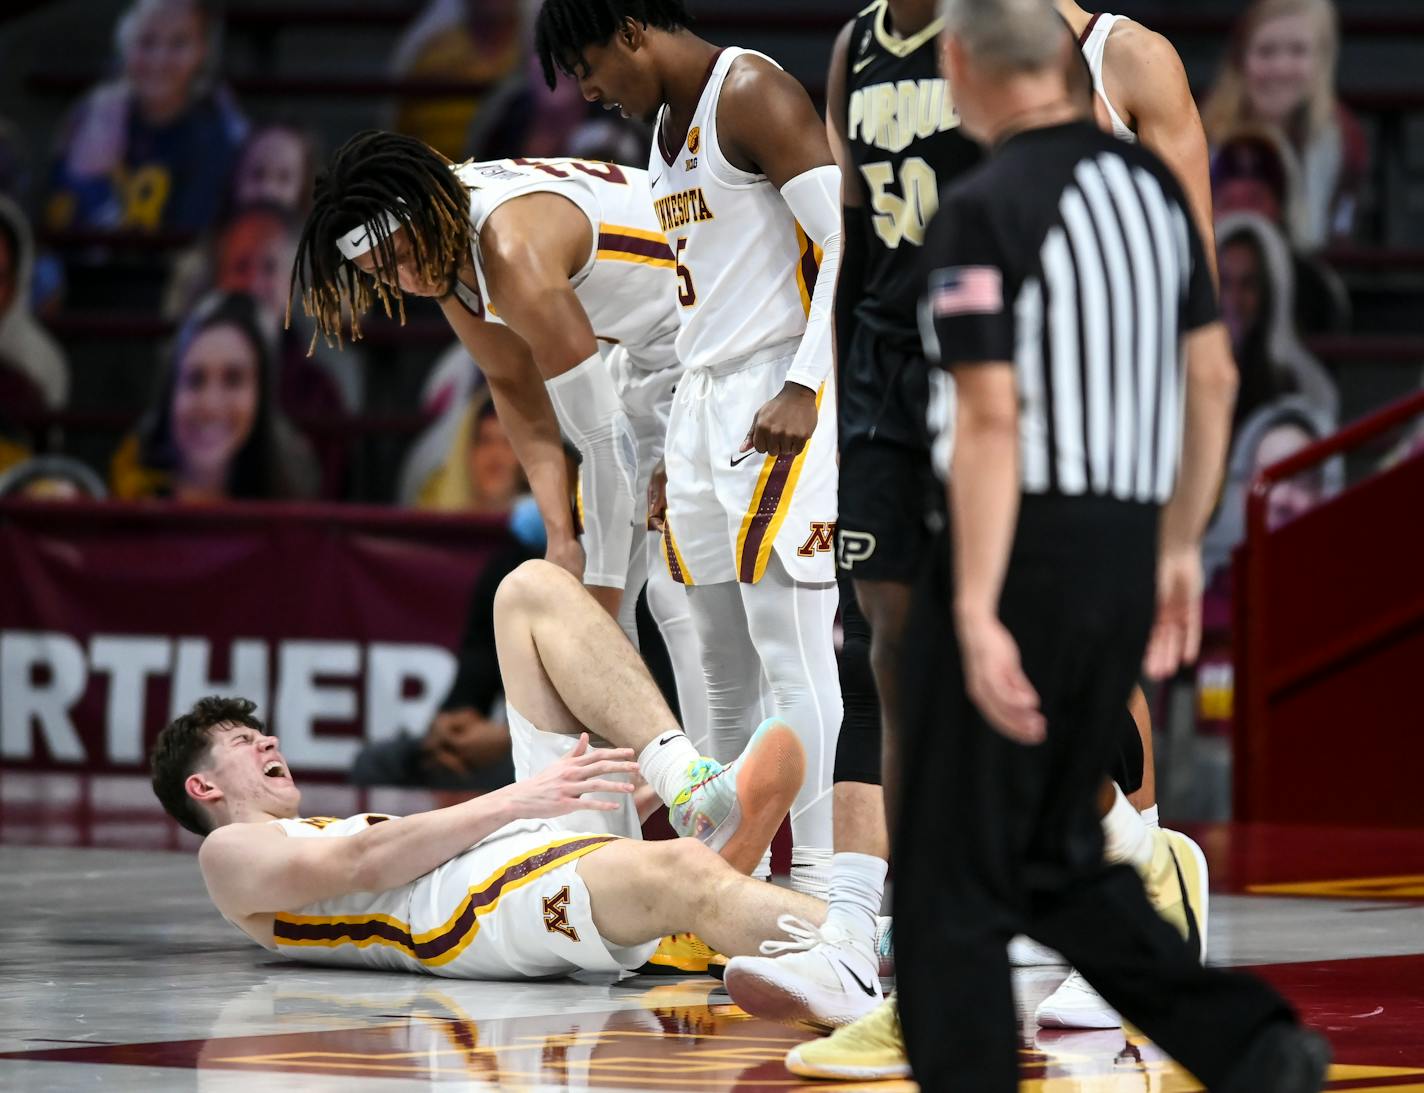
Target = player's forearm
(396,852)
(984,501)
(1206,432)
(814,199)
(523,407)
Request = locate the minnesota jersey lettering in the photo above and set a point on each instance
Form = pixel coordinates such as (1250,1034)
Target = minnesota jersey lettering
(744,268)
(890,116)
(682,209)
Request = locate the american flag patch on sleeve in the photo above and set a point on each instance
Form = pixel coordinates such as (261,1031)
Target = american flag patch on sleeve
(966,290)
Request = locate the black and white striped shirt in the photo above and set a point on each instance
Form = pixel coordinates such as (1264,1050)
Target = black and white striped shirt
(1073,256)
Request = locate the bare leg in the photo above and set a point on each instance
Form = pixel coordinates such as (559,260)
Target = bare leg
(886,605)
(566,664)
(642,891)
(1146,795)
(860,820)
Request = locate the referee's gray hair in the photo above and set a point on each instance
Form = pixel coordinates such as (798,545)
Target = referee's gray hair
(1013,35)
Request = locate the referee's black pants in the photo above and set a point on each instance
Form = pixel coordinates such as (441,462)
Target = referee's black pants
(996,838)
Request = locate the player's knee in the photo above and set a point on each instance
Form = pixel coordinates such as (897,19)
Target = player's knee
(691,862)
(530,583)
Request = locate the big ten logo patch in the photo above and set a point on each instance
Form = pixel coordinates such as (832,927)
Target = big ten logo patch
(821,540)
(556,914)
(852,547)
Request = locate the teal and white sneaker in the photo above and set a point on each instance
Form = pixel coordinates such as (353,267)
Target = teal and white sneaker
(736,809)
(885,945)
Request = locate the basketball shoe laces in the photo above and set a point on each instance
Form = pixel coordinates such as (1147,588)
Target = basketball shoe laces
(804,937)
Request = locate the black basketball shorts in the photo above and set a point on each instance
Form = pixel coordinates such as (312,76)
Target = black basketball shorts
(889,501)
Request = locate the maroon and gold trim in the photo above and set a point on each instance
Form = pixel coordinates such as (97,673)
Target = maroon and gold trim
(808,265)
(676,566)
(447,941)
(617,243)
(770,502)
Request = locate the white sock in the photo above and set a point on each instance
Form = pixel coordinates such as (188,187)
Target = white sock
(1126,837)
(857,889)
(811,871)
(1149,816)
(763,867)
(664,764)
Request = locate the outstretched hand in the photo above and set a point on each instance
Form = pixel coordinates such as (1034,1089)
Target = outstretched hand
(559,788)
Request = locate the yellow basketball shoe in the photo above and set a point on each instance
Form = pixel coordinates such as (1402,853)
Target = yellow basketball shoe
(1177,886)
(1177,883)
(681,954)
(870,1049)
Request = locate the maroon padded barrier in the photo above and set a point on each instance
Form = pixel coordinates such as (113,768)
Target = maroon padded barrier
(1329,647)
(339,621)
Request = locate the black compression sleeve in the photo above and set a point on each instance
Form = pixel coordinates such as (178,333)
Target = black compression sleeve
(850,286)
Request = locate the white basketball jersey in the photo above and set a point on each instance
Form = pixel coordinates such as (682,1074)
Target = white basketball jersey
(443,922)
(1094,43)
(745,269)
(627,287)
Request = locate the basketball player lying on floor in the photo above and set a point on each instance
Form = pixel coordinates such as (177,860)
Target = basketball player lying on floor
(523,882)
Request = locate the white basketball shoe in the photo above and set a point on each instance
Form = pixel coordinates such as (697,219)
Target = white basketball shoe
(819,978)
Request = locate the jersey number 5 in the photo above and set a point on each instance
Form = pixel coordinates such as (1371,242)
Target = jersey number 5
(686,294)
(896,217)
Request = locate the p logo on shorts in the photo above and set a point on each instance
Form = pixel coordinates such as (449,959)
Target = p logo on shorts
(852,547)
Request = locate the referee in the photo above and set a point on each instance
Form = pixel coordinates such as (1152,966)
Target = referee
(1069,288)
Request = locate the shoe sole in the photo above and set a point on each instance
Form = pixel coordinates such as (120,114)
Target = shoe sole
(803,1069)
(1077,1019)
(653,967)
(769,775)
(1199,899)
(1027,953)
(776,1000)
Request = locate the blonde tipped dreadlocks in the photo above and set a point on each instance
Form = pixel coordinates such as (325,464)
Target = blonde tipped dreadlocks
(374,174)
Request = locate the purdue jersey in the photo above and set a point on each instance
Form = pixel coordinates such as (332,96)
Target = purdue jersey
(745,268)
(627,285)
(902,132)
(510,907)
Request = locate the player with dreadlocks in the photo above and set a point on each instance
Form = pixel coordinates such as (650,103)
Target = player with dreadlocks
(534,263)
(747,194)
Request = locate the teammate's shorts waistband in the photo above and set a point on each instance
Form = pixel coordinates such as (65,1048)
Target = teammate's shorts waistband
(777,352)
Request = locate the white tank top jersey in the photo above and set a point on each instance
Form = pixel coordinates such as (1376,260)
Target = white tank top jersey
(745,269)
(627,287)
(434,923)
(1094,42)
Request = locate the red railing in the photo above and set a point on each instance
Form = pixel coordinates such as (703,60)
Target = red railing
(1329,616)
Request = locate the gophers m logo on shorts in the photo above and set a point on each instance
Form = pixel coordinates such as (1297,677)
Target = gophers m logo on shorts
(854,546)
(821,540)
(556,914)
(694,139)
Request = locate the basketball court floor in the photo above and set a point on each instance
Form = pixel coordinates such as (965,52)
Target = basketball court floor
(118,975)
